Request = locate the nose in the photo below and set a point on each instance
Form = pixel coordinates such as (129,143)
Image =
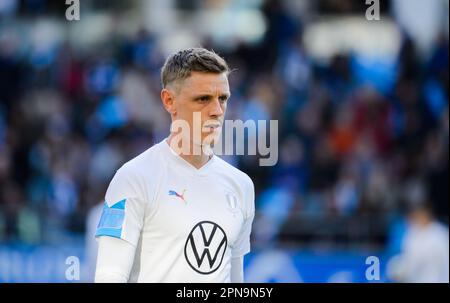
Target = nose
(216,109)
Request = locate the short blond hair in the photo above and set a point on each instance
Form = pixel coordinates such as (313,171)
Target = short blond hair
(180,65)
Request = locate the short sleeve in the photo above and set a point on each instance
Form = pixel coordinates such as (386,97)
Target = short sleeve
(123,210)
(242,244)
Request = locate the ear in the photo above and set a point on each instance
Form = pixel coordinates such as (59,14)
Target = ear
(168,100)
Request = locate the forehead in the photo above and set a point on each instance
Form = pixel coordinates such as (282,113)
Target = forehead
(210,83)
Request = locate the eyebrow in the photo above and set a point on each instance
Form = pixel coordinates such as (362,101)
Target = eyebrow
(198,96)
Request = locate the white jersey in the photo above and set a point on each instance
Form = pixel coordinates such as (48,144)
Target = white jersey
(186,223)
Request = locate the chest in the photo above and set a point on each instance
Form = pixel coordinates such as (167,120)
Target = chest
(203,207)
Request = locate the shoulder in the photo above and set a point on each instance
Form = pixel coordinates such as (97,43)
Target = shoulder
(439,230)
(131,179)
(149,159)
(241,177)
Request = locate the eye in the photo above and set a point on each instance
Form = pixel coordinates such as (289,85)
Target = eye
(223,98)
(203,99)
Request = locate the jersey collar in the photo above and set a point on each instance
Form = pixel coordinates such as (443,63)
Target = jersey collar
(185,165)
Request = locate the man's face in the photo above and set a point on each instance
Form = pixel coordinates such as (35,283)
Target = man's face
(205,94)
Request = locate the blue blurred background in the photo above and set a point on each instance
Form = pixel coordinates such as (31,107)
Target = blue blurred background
(363,128)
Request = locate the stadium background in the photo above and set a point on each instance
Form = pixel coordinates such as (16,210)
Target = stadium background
(362,109)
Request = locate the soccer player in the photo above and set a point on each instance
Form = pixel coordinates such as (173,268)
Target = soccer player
(177,212)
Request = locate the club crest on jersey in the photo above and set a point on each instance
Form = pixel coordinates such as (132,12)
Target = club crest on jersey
(205,247)
(181,196)
(232,203)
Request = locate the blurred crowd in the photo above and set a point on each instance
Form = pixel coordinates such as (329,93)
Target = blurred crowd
(361,151)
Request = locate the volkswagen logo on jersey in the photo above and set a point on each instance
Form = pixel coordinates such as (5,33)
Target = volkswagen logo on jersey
(205,247)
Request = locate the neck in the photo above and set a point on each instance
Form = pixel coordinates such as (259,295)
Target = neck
(195,160)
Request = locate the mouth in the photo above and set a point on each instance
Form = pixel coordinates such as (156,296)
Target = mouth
(211,127)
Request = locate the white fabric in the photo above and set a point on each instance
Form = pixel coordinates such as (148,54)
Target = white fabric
(165,199)
(114,264)
(237,270)
(114,260)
